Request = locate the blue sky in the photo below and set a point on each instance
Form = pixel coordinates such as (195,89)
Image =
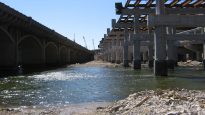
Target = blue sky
(88,18)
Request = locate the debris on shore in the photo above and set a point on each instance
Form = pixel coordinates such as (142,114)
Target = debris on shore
(97,64)
(160,102)
(190,63)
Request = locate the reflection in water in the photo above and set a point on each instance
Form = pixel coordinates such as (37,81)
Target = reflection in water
(89,84)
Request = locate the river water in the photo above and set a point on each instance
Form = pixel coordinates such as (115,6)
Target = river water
(73,85)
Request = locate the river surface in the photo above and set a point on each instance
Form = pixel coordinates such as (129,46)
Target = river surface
(73,85)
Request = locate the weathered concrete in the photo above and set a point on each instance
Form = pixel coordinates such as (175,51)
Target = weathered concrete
(204,55)
(177,20)
(125,50)
(136,54)
(151,54)
(136,44)
(160,63)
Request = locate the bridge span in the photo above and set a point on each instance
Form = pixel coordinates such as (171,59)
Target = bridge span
(26,42)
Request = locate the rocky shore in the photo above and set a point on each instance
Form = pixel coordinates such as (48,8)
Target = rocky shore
(159,102)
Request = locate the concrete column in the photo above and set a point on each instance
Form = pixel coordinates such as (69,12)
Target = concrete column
(204,55)
(136,45)
(150,54)
(106,52)
(198,56)
(171,61)
(121,51)
(113,51)
(125,49)
(160,63)
(69,61)
(175,54)
(187,57)
(17,49)
(117,53)
(136,54)
(175,48)
(170,54)
(109,54)
(44,53)
(144,56)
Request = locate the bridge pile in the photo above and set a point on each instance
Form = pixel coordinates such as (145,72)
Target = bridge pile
(26,42)
(161,32)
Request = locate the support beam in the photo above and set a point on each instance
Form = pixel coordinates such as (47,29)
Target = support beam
(117,53)
(160,63)
(113,54)
(150,54)
(125,50)
(176,20)
(204,54)
(125,25)
(136,45)
(167,10)
(183,37)
(170,50)
(136,54)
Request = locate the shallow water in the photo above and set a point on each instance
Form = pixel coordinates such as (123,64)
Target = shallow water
(73,85)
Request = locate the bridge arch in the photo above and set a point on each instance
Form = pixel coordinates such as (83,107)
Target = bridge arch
(7,49)
(30,51)
(51,54)
(63,55)
(31,36)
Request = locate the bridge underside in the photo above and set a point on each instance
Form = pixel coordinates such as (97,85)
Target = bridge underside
(25,42)
(7,49)
(29,49)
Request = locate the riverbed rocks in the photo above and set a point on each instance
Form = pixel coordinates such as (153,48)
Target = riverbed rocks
(160,102)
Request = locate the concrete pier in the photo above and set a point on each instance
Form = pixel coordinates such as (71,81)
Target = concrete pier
(136,44)
(160,63)
(125,49)
(151,55)
(118,45)
(136,54)
(204,55)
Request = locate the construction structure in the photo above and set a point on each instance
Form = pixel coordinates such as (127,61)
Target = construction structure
(160,32)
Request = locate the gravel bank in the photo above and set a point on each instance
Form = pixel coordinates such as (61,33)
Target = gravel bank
(160,102)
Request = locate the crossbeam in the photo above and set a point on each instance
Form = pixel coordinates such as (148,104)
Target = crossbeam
(183,37)
(168,11)
(176,20)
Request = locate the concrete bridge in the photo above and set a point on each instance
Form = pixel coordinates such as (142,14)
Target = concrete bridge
(154,31)
(26,42)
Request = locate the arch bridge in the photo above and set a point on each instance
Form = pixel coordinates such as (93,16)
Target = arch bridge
(26,42)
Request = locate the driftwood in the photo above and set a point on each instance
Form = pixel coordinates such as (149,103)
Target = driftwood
(145,99)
